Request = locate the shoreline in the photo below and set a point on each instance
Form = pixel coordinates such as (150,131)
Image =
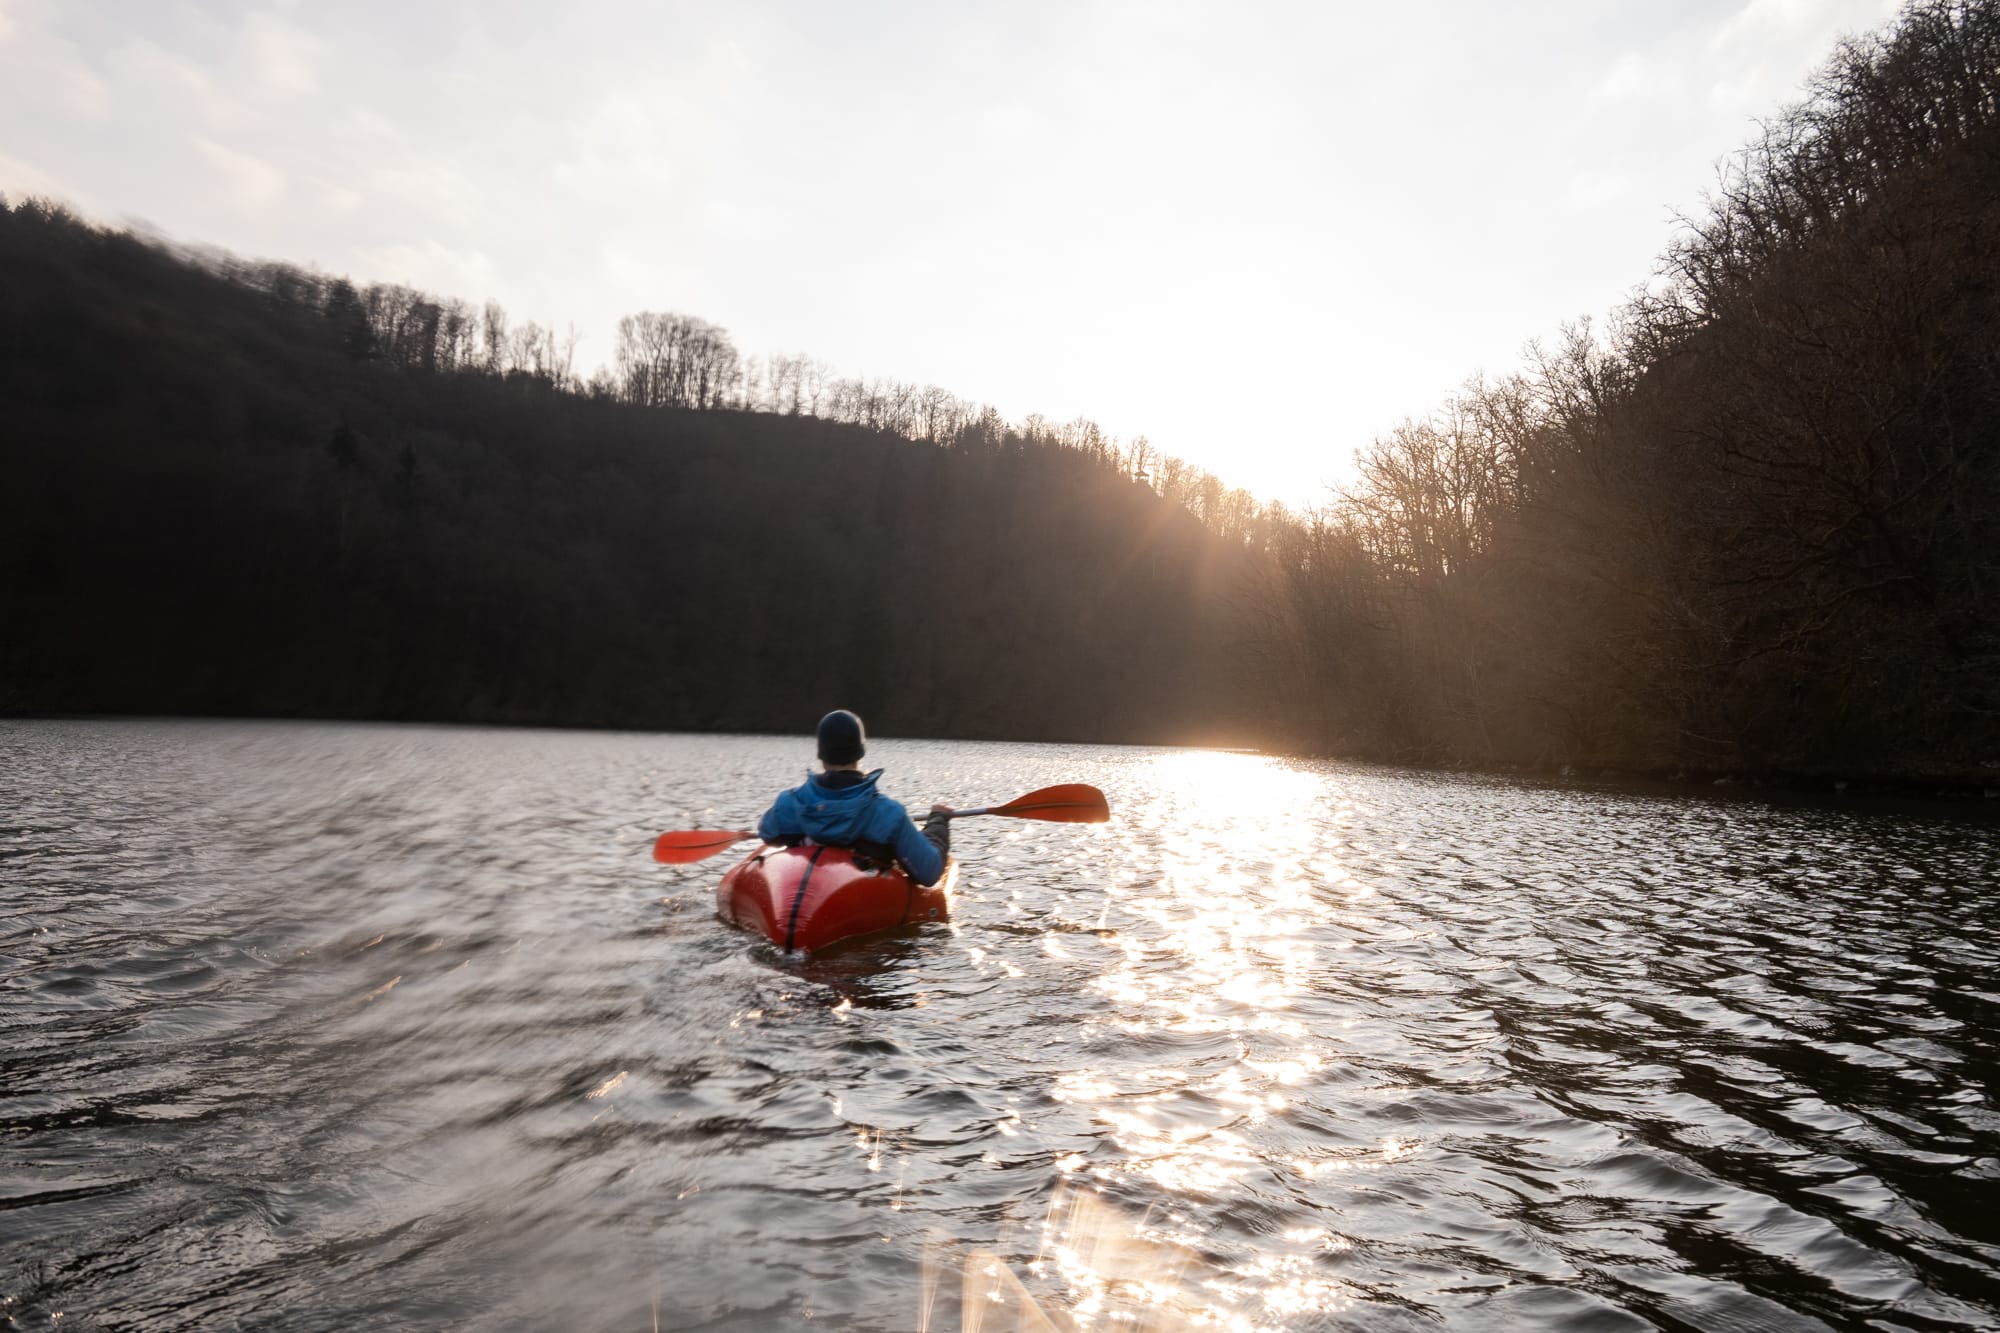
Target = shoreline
(1956,789)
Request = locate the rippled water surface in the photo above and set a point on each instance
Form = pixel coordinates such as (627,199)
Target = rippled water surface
(310,1027)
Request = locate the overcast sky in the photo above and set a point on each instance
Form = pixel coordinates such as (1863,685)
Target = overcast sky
(1259,233)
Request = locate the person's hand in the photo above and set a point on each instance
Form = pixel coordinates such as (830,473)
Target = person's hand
(937,828)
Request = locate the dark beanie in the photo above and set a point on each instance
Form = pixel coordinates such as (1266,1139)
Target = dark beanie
(841,739)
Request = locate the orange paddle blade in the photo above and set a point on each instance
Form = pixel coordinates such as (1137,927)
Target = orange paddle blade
(1068,803)
(695,844)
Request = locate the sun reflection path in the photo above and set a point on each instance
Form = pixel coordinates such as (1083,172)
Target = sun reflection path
(1207,959)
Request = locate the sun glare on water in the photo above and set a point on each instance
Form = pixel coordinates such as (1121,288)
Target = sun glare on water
(1204,962)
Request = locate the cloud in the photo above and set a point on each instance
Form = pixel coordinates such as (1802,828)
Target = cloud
(434,267)
(83,93)
(19,179)
(48,71)
(285,57)
(1598,189)
(338,198)
(252,182)
(1764,52)
(1794,24)
(1635,78)
(1760,20)
(164,81)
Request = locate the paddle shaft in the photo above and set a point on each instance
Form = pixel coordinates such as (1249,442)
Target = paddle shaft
(1070,803)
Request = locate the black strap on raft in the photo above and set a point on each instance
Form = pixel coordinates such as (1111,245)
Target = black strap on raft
(799,899)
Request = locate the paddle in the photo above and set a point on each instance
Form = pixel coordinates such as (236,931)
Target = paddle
(695,844)
(1065,803)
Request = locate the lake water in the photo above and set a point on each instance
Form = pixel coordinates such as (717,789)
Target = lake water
(331,1026)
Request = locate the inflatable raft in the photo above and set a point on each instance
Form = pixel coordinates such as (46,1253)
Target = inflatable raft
(805,898)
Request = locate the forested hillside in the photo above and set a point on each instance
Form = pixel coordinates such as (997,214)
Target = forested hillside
(1757,527)
(251,490)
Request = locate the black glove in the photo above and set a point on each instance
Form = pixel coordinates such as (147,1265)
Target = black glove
(937,828)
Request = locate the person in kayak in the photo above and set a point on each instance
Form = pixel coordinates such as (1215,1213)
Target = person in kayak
(840,807)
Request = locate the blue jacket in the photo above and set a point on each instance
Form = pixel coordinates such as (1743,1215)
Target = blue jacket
(843,816)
